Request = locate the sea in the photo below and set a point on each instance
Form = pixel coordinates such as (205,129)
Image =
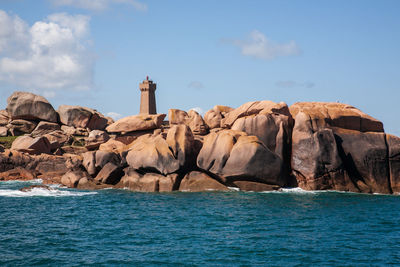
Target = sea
(109,227)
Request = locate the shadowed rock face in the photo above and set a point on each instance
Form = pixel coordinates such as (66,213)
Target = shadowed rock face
(20,127)
(393,143)
(28,106)
(336,146)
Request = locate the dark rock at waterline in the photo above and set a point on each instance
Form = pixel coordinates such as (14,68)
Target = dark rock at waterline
(109,174)
(149,182)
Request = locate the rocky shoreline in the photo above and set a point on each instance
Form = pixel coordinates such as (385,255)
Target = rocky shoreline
(259,146)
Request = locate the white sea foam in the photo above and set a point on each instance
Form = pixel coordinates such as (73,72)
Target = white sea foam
(295,190)
(42,192)
(233,188)
(34,181)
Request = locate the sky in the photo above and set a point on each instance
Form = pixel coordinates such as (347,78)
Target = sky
(203,53)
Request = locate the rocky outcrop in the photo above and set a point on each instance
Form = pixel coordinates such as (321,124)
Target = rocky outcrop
(31,145)
(234,155)
(214,116)
(28,106)
(197,182)
(259,146)
(136,123)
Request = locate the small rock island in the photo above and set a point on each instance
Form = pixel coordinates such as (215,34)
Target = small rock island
(259,146)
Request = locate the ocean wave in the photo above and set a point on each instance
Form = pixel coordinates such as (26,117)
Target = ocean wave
(41,192)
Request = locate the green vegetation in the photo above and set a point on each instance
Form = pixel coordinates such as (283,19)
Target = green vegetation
(78,141)
(7,141)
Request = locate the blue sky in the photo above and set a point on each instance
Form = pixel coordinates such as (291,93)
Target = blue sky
(203,53)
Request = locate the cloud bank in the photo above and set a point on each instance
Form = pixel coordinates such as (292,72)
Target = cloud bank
(257,45)
(99,5)
(53,54)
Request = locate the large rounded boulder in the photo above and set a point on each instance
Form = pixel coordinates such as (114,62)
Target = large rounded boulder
(152,152)
(82,117)
(31,145)
(28,106)
(136,123)
(234,155)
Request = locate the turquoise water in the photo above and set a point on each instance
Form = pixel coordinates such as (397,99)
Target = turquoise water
(119,228)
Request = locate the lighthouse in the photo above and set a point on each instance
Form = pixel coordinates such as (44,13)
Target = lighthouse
(147,97)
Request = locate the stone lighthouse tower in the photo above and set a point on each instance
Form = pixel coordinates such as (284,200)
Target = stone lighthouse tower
(147,97)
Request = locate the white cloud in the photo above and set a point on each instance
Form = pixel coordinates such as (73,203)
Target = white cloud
(114,115)
(291,84)
(198,110)
(50,55)
(99,5)
(259,46)
(196,85)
